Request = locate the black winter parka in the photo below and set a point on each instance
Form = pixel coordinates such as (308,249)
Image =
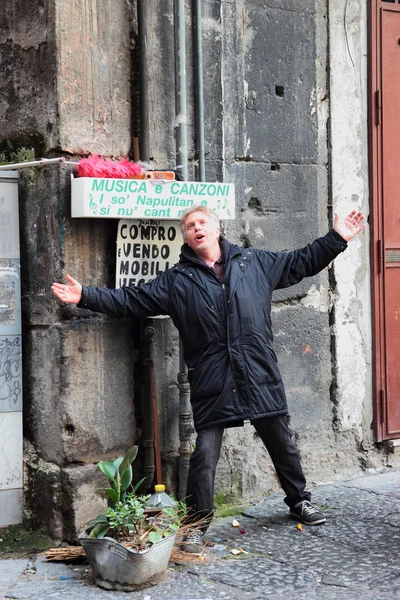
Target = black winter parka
(225,328)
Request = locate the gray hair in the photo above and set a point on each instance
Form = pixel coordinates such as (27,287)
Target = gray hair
(214,218)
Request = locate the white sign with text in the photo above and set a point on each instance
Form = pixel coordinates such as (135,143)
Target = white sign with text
(145,249)
(148,198)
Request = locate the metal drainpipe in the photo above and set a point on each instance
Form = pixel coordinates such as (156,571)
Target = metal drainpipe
(144,11)
(185,411)
(148,427)
(198,59)
(180,88)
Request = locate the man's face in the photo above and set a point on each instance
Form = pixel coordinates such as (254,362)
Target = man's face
(201,233)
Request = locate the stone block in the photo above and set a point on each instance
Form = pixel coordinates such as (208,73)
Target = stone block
(162,117)
(28,97)
(60,501)
(44,499)
(80,102)
(214,29)
(302,345)
(81,487)
(268,198)
(93,74)
(235,34)
(41,224)
(80,376)
(53,244)
(273,215)
(166,364)
(280,76)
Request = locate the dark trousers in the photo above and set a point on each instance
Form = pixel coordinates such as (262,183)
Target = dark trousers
(277,438)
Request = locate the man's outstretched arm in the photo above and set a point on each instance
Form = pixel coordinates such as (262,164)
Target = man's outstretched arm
(149,299)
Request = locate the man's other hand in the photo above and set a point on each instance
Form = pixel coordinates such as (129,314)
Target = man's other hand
(68,293)
(351,226)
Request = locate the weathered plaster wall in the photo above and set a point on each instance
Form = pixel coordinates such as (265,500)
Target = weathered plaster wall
(349,160)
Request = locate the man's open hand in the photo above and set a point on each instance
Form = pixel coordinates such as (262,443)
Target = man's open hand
(351,226)
(68,293)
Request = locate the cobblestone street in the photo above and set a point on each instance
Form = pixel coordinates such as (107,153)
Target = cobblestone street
(355,556)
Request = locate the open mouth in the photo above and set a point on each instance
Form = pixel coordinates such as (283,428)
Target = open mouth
(199,237)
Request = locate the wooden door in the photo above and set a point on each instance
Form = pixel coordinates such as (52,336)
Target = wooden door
(385,214)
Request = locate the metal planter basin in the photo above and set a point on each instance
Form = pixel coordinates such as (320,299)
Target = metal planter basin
(116,567)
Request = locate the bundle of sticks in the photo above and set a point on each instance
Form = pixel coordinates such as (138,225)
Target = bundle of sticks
(68,554)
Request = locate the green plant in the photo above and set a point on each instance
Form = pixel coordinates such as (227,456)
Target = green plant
(127,518)
(119,474)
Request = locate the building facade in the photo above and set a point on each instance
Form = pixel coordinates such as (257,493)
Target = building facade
(290,101)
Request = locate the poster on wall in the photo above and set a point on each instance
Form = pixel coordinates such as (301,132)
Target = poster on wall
(145,249)
(10,294)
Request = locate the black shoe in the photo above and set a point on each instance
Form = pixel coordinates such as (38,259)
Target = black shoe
(307,513)
(193,542)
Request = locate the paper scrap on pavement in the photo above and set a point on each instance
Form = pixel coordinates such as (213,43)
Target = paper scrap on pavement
(235,523)
(236,551)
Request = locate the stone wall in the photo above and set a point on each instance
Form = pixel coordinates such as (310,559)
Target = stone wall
(66,90)
(285,120)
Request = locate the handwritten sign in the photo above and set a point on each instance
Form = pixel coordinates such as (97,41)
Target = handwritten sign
(148,199)
(145,249)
